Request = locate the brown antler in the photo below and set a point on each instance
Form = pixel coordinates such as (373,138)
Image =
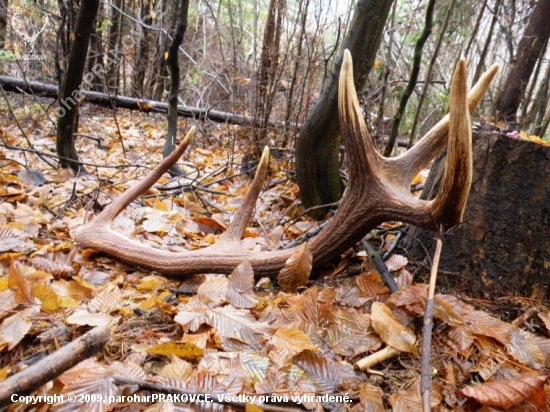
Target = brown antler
(378,191)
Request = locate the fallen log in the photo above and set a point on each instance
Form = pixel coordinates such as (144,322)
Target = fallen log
(14,84)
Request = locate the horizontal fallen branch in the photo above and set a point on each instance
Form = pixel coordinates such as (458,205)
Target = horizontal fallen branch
(14,84)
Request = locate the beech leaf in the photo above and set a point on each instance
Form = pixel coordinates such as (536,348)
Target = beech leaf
(390,330)
(297,269)
(240,288)
(506,393)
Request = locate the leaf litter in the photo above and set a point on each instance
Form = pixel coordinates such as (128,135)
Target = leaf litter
(288,343)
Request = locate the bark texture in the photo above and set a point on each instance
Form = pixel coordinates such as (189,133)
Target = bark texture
(530,49)
(318,144)
(503,246)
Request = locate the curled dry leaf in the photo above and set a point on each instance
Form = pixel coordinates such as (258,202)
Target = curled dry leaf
(396,262)
(390,330)
(507,393)
(297,269)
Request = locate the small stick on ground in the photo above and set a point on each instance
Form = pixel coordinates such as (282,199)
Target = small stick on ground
(53,365)
(376,259)
(425,382)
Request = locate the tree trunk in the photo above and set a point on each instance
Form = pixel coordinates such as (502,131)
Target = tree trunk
(503,245)
(318,144)
(3,22)
(530,49)
(174,69)
(411,84)
(114,44)
(70,94)
(142,52)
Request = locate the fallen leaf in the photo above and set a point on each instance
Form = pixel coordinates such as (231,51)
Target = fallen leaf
(240,287)
(506,393)
(297,269)
(390,330)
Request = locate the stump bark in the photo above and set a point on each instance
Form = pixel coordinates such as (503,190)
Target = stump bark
(503,246)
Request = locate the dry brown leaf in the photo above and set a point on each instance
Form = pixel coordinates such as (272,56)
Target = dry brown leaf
(82,316)
(390,330)
(291,340)
(412,299)
(14,328)
(396,262)
(508,392)
(107,300)
(297,269)
(370,285)
(14,240)
(90,376)
(306,308)
(462,340)
(240,288)
(408,399)
(523,348)
(178,369)
(20,285)
(213,292)
(323,371)
(351,342)
(371,399)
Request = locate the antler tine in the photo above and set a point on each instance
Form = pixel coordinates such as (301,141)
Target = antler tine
(117,205)
(363,158)
(238,224)
(448,206)
(410,163)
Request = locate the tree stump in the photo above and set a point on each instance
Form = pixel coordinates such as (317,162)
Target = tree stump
(503,246)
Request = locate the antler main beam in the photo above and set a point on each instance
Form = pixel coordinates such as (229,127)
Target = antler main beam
(378,191)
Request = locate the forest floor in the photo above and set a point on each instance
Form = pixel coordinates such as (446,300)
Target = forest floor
(237,342)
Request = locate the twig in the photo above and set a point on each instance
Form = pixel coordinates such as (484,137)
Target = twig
(306,236)
(162,388)
(377,357)
(41,156)
(66,205)
(426,380)
(53,365)
(393,245)
(95,165)
(378,262)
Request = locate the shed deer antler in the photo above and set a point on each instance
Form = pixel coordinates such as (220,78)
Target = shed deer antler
(378,191)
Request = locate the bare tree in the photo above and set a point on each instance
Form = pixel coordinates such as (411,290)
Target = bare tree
(530,49)
(417,62)
(65,145)
(174,69)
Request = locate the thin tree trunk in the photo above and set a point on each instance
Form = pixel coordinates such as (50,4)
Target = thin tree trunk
(431,66)
(115,35)
(417,62)
(174,68)
(530,49)
(488,41)
(65,145)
